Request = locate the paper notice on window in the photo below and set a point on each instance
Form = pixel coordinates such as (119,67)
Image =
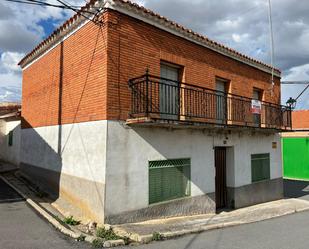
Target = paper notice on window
(256,106)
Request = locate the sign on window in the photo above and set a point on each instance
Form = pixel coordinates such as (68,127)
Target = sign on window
(256,106)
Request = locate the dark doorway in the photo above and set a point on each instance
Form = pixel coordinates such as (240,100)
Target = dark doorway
(221,189)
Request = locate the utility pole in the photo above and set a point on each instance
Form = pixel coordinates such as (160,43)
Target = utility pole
(271,45)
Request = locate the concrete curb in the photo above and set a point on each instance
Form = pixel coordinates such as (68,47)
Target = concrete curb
(170,235)
(73,234)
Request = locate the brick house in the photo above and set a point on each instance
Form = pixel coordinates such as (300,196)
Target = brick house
(134,117)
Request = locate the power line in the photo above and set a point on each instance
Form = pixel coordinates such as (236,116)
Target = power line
(242,12)
(271,44)
(302,92)
(294,82)
(39,3)
(77,11)
(75,8)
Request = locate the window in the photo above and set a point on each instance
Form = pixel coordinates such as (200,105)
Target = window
(260,167)
(169,179)
(10,142)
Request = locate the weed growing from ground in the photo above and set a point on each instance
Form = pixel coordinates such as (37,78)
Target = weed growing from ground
(157,236)
(97,243)
(71,221)
(106,234)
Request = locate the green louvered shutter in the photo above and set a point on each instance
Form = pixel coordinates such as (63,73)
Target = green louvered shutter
(260,167)
(169,179)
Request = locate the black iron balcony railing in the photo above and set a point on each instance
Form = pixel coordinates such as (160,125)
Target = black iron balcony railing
(163,99)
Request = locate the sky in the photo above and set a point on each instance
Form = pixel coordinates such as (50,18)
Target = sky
(239,24)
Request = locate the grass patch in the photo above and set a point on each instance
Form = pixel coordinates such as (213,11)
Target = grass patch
(81,238)
(97,243)
(71,221)
(106,234)
(157,236)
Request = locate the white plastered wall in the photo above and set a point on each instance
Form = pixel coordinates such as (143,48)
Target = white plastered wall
(130,149)
(241,146)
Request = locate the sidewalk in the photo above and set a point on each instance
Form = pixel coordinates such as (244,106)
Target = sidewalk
(173,227)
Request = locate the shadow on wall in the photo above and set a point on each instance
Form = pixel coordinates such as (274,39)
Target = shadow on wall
(63,165)
(39,161)
(72,180)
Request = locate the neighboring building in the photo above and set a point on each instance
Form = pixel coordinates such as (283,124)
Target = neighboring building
(196,132)
(10,132)
(296,147)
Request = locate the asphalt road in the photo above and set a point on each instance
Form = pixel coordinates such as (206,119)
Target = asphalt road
(288,232)
(22,228)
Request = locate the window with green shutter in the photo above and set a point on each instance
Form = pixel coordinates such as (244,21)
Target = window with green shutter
(260,167)
(169,179)
(10,142)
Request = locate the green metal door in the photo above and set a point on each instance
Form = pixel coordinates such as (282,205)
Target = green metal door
(169,179)
(296,158)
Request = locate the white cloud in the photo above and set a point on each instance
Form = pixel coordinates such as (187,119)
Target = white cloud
(240,38)
(298,73)
(10,79)
(240,24)
(20,32)
(9,60)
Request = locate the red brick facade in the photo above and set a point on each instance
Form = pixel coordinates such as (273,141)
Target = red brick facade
(96,87)
(300,120)
(67,84)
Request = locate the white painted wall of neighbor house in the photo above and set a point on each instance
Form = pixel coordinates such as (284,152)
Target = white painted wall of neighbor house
(83,149)
(10,153)
(130,149)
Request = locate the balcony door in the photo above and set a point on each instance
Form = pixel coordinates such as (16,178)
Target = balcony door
(221,101)
(169,92)
(257,95)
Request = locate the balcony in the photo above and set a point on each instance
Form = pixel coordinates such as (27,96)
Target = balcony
(160,101)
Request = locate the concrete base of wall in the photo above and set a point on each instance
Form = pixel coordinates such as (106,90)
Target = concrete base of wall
(188,206)
(70,193)
(255,193)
